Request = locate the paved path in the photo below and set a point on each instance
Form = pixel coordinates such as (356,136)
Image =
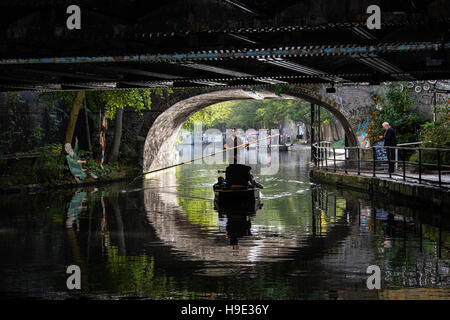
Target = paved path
(433,179)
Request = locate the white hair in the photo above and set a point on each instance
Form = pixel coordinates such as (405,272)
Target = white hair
(66,147)
(385,123)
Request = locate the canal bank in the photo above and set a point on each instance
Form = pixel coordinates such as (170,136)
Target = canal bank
(33,188)
(122,173)
(388,189)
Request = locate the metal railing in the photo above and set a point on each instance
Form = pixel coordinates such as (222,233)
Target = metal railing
(402,145)
(432,166)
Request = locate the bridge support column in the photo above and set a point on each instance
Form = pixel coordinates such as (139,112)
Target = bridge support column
(312,134)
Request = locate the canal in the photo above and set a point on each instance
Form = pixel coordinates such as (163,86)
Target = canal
(162,239)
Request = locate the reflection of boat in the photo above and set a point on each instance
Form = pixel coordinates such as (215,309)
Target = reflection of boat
(238,226)
(245,200)
(238,192)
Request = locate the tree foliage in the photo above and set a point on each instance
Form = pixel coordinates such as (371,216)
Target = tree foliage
(210,116)
(396,109)
(255,114)
(109,100)
(435,135)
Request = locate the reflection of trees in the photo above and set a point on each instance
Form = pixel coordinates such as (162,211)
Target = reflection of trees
(288,209)
(75,208)
(416,262)
(135,275)
(104,228)
(113,201)
(197,210)
(124,274)
(412,254)
(410,251)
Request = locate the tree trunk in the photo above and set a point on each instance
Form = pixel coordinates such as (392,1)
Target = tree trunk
(117,136)
(74,116)
(337,127)
(88,133)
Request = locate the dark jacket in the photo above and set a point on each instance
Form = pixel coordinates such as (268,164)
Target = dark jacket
(231,142)
(389,138)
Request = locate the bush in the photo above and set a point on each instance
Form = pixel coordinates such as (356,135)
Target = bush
(434,135)
(339,143)
(49,168)
(397,110)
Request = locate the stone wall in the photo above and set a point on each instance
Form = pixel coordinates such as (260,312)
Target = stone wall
(394,191)
(350,105)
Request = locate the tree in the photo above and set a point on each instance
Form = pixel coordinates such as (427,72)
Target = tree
(77,101)
(434,135)
(73,99)
(397,110)
(112,101)
(117,136)
(255,114)
(209,116)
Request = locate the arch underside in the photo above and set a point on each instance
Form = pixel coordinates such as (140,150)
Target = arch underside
(159,150)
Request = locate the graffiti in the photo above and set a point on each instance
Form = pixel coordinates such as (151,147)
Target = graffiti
(442,98)
(359,111)
(425,91)
(426,99)
(361,133)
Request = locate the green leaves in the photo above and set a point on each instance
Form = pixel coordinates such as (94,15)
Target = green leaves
(434,135)
(247,114)
(397,110)
(210,116)
(135,99)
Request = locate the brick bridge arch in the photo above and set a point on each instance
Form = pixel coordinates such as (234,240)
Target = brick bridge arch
(159,145)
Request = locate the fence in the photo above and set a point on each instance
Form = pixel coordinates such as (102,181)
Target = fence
(432,166)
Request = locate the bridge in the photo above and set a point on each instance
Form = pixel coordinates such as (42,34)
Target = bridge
(319,51)
(205,43)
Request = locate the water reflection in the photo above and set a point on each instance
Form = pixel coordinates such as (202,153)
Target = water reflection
(164,239)
(238,226)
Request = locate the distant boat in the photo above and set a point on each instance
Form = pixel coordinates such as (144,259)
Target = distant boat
(284,148)
(281,147)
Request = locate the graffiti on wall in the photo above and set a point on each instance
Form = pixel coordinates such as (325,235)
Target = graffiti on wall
(361,134)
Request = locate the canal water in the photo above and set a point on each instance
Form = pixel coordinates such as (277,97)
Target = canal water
(162,239)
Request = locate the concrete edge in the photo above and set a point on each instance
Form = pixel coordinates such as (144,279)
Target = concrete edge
(379,187)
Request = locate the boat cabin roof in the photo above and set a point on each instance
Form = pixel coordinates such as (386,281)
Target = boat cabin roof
(237,174)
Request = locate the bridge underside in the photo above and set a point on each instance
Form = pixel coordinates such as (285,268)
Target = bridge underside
(201,43)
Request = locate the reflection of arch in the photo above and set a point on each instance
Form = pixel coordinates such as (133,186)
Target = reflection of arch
(173,227)
(159,144)
(189,240)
